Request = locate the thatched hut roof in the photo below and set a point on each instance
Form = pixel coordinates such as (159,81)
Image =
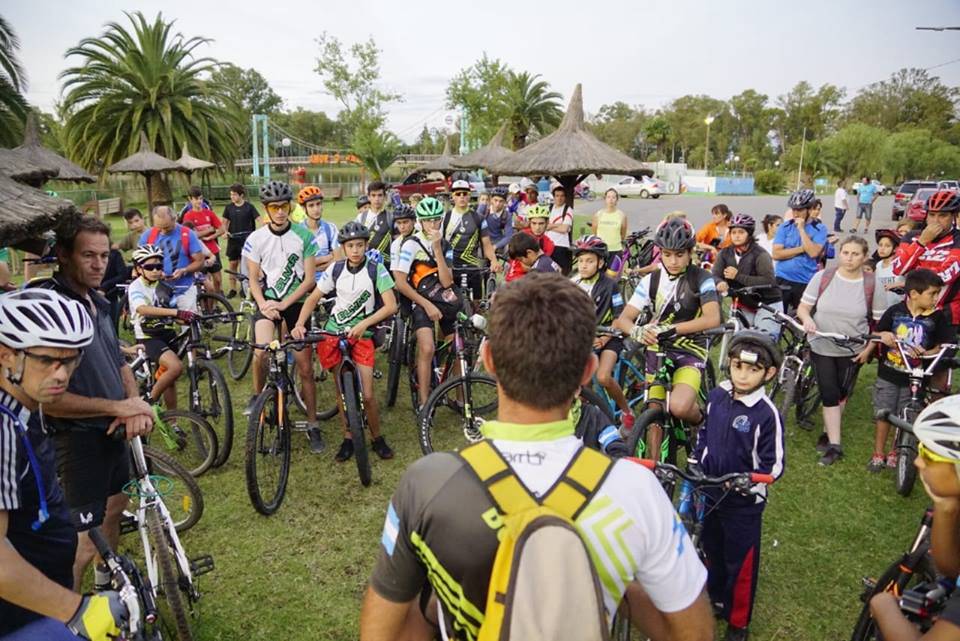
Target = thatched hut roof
(33,151)
(488,155)
(16,166)
(145,161)
(26,212)
(443,164)
(571,150)
(189,164)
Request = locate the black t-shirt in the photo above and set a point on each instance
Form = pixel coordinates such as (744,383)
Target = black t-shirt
(465,237)
(925,331)
(243,220)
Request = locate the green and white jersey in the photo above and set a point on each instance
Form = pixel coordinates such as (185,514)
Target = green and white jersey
(281,257)
(357,289)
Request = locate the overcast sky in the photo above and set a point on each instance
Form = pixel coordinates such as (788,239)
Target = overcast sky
(639,52)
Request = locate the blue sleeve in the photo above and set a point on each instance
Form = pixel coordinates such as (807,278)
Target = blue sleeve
(781,235)
(195,246)
(143,237)
(507,233)
(769,445)
(819,235)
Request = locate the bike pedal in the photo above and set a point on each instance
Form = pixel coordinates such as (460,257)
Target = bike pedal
(869,585)
(299,426)
(128,524)
(377,374)
(201,565)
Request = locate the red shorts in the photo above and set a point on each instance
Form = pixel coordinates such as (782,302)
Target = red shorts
(328,351)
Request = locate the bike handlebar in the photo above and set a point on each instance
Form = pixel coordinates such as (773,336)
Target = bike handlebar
(785,319)
(694,475)
(242,277)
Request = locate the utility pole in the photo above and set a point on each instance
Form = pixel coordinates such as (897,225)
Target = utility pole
(803,143)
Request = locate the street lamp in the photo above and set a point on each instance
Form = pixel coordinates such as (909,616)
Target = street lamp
(706,148)
(736,160)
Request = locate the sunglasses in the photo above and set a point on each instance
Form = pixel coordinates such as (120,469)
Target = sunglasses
(931,456)
(461,193)
(152,267)
(276,208)
(50,362)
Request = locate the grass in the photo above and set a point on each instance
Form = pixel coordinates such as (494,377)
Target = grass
(300,574)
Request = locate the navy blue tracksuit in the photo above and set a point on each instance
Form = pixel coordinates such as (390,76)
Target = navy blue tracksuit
(743,435)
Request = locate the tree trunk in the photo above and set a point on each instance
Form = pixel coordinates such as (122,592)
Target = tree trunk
(162,194)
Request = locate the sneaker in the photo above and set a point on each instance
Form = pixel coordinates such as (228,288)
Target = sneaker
(823,443)
(626,424)
(892,459)
(379,445)
(877,463)
(736,634)
(833,454)
(248,410)
(345,451)
(316,439)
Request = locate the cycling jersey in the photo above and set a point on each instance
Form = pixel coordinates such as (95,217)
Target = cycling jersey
(381,230)
(50,548)
(281,258)
(605,294)
(356,292)
(203,221)
(416,257)
(441,528)
(464,233)
(174,256)
(677,300)
(943,257)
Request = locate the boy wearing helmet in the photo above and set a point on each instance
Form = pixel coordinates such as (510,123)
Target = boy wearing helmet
(681,300)
(149,299)
(797,246)
(326,245)
(42,336)
(281,265)
(744,263)
(590,254)
(357,283)
(743,433)
(536,227)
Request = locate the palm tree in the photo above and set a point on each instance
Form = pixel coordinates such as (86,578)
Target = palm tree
(145,80)
(13,107)
(530,106)
(376,149)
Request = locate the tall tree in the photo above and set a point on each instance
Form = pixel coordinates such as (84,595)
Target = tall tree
(803,109)
(531,106)
(312,126)
(686,117)
(144,78)
(753,121)
(13,106)
(657,132)
(620,126)
(248,90)
(479,90)
(377,150)
(855,150)
(910,98)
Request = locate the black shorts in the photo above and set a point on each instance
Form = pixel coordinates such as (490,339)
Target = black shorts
(289,315)
(234,248)
(420,320)
(157,344)
(92,467)
(474,283)
(216,266)
(614,345)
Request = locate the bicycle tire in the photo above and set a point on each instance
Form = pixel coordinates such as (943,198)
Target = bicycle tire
(592,397)
(787,389)
(807,400)
(195,446)
(190,502)
(211,303)
(240,354)
(865,629)
(268,435)
(322,415)
(905,475)
(437,437)
(356,427)
(218,410)
(168,583)
(620,630)
(397,351)
(636,440)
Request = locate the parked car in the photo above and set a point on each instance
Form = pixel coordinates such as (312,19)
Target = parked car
(905,193)
(917,206)
(644,187)
(949,184)
(421,183)
(477,184)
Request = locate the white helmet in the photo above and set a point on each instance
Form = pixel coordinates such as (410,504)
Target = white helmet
(514,188)
(938,427)
(43,318)
(526,183)
(143,253)
(460,185)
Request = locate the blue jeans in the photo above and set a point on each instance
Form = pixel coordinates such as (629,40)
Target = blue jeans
(46,629)
(837,217)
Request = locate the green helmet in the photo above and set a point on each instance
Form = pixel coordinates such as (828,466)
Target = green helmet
(537,211)
(429,209)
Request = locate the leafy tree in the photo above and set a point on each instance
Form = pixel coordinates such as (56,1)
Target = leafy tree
(531,106)
(906,154)
(353,83)
(770,181)
(247,89)
(657,132)
(620,126)
(685,117)
(817,161)
(13,107)
(855,150)
(753,121)
(479,90)
(313,126)
(910,98)
(377,150)
(802,108)
(145,78)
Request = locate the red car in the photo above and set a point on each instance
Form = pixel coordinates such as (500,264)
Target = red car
(917,206)
(421,183)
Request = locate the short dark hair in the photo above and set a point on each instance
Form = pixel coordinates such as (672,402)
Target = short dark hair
(238,189)
(817,204)
(194,192)
(376,185)
(722,209)
(920,280)
(520,244)
(67,234)
(523,315)
(131,213)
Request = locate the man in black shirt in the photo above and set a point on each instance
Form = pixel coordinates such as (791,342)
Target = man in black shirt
(240,218)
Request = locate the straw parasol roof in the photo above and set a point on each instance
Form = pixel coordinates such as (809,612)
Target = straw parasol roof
(188,164)
(145,162)
(34,152)
(443,164)
(488,155)
(570,151)
(16,166)
(26,212)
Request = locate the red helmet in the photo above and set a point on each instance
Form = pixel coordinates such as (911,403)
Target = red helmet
(308,193)
(946,200)
(591,244)
(887,233)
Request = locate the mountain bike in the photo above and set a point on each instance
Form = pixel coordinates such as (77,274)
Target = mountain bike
(135,593)
(400,336)
(238,351)
(629,372)
(637,253)
(739,317)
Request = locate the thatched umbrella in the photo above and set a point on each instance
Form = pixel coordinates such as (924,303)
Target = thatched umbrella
(18,167)
(443,164)
(145,162)
(569,154)
(34,152)
(487,156)
(25,213)
(188,164)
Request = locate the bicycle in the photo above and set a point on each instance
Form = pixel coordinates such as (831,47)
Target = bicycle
(629,372)
(738,318)
(905,443)
(238,350)
(637,254)
(135,593)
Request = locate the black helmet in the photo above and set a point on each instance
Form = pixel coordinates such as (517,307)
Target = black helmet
(353,231)
(675,234)
(404,212)
(362,201)
(499,190)
(762,349)
(276,192)
(801,199)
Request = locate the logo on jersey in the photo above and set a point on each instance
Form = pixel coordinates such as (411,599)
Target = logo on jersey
(288,280)
(391,530)
(353,309)
(741,424)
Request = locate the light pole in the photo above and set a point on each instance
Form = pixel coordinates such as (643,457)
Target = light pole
(736,161)
(706,148)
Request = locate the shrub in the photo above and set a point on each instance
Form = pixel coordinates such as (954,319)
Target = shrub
(769,181)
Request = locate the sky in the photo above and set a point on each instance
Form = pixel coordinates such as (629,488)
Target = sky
(642,53)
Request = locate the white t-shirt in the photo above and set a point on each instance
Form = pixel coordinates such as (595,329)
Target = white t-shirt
(281,258)
(560,239)
(885,276)
(839,197)
(139,293)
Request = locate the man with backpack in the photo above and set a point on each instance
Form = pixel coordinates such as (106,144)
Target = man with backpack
(527,534)
(182,255)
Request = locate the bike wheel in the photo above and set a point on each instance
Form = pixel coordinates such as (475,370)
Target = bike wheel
(787,390)
(397,352)
(267,452)
(897,578)
(183,498)
(356,426)
(330,405)
(906,472)
(590,396)
(455,411)
(189,439)
(172,606)
(209,303)
(212,402)
(621,622)
(240,354)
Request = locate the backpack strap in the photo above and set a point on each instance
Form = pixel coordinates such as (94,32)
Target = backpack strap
(654,286)
(825,280)
(185,240)
(502,485)
(337,270)
(153,235)
(579,482)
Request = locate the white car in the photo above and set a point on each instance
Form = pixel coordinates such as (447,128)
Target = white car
(644,187)
(882,189)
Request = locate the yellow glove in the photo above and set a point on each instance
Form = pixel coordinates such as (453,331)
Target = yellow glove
(99,617)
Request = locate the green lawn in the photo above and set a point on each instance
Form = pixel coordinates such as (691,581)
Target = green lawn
(300,574)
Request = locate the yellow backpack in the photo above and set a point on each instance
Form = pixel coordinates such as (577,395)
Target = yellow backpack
(543,586)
